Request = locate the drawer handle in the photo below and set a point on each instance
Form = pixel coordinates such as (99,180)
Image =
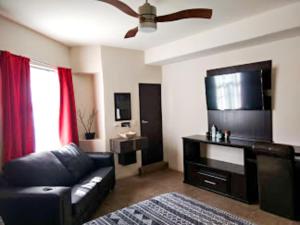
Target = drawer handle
(208,175)
(210,182)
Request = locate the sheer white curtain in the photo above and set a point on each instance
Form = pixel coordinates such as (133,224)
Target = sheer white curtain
(45,101)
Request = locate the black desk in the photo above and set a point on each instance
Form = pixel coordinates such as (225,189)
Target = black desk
(233,180)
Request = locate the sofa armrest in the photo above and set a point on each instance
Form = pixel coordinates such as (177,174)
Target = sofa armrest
(102,159)
(36,205)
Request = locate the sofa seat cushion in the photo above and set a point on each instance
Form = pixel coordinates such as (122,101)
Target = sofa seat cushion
(82,196)
(37,169)
(90,189)
(77,162)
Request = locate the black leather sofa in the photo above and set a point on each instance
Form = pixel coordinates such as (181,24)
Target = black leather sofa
(60,187)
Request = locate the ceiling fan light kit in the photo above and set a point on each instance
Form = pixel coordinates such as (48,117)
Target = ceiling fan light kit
(148,19)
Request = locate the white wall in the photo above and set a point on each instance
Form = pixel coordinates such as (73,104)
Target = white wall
(256,29)
(123,70)
(86,59)
(22,41)
(184,106)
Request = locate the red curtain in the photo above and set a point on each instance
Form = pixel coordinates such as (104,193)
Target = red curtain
(17,117)
(67,116)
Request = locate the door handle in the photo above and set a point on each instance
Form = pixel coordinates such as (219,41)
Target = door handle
(145,121)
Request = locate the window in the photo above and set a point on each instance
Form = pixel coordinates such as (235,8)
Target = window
(45,96)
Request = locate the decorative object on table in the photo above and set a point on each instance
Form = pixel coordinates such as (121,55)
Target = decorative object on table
(171,208)
(226,134)
(219,135)
(213,131)
(208,134)
(87,124)
(129,134)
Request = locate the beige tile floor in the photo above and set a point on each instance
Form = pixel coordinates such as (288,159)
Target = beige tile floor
(135,189)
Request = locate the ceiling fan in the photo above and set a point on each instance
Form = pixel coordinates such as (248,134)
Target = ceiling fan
(148,19)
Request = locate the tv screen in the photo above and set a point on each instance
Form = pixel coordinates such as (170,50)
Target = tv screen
(236,91)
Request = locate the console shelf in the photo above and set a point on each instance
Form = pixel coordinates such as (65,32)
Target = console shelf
(219,165)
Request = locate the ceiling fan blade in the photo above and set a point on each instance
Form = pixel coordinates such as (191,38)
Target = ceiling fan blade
(121,6)
(186,14)
(131,33)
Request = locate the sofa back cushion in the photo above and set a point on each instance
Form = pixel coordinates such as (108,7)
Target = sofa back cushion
(3,182)
(37,169)
(76,161)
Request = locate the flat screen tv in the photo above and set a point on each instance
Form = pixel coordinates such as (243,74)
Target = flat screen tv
(236,91)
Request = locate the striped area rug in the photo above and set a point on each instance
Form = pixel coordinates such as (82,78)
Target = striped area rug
(169,209)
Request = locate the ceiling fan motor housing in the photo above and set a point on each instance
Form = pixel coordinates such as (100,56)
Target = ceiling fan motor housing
(147,18)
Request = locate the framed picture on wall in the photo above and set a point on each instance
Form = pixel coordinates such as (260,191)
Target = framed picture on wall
(122,106)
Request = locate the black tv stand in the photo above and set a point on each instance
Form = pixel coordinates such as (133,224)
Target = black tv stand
(232,180)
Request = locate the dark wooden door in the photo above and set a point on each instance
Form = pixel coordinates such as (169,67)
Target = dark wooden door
(151,122)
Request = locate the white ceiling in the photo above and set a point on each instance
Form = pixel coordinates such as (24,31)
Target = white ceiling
(88,22)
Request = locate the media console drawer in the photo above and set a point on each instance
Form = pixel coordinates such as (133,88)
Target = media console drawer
(213,181)
(209,179)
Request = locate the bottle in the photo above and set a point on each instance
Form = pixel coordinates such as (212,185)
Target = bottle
(213,131)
